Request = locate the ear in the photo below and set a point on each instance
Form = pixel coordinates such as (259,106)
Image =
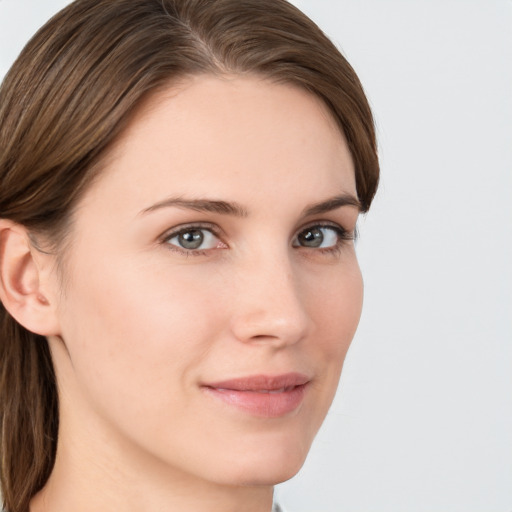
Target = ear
(24,283)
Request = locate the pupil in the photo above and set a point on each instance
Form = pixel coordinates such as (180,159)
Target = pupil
(312,238)
(191,239)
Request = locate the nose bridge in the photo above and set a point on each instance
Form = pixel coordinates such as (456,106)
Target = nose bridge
(269,304)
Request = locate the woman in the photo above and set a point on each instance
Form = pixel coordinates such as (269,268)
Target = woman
(180,185)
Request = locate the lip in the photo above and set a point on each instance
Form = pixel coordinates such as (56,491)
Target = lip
(268,396)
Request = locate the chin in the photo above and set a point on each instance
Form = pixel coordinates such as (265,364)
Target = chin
(267,463)
(266,474)
(276,475)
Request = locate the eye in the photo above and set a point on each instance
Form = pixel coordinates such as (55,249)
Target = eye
(321,237)
(194,239)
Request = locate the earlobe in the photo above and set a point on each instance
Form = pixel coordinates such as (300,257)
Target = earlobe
(21,285)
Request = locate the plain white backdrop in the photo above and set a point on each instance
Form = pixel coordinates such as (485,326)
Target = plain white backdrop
(423,418)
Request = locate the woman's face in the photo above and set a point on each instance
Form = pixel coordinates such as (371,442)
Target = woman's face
(211,284)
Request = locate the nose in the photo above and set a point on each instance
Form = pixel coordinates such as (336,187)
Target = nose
(269,304)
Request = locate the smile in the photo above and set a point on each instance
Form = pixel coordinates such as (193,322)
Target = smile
(261,395)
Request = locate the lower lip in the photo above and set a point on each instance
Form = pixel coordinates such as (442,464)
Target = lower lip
(266,405)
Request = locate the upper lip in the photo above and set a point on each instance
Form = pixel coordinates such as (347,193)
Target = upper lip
(261,382)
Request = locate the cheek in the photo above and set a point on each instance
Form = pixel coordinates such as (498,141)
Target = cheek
(336,308)
(132,330)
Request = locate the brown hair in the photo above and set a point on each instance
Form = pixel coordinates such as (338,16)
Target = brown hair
(67,99)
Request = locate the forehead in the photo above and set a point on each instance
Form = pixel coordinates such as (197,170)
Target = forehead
(230,135)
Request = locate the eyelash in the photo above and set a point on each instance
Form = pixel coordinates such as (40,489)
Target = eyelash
(343,235)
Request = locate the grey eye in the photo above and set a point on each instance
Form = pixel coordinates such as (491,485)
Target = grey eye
(191,239)
(311,237)
(194,238)
(318,237)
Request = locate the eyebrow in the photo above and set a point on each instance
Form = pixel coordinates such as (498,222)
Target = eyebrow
(200,205)
(331,204)
(237,210)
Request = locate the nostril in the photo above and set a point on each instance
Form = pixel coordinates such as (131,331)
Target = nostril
(268,328)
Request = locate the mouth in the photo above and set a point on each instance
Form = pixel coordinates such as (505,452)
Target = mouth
(262,395)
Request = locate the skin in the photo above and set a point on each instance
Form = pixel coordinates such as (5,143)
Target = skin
(142,324)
